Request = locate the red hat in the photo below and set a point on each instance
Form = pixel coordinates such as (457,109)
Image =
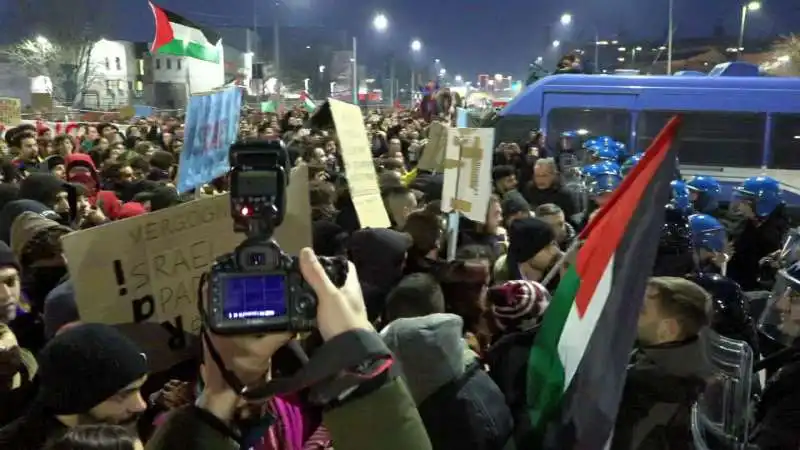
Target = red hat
(131,209)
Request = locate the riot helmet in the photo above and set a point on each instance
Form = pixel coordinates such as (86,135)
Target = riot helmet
(602,179)
(730,308)
(675,256)
(757,197)
(704,192)
(630,163)
(679,197)
(710,241)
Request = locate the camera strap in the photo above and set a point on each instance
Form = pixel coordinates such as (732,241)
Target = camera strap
(342,363)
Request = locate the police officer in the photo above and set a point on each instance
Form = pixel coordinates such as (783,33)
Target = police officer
(710,242)
(704,192)
(675,256)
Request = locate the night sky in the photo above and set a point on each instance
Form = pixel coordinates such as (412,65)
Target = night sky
(471,36)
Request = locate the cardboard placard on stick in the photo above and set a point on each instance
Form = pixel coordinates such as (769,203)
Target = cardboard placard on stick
(433,153)
(468,172)
(359,168)
(10,111)
(147,268)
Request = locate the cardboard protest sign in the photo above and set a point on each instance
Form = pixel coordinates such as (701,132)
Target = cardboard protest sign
(212,121)
(147,268)
(10,111)
(357,156)
(468,172)
(433,154)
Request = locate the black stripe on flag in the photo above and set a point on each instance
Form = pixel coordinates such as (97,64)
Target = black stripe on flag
(211,36)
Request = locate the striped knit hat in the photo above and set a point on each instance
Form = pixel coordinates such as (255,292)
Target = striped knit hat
(518,305)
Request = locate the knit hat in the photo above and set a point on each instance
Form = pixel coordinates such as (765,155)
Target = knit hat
(84,366)
(7,258)
(513,203)
(527,237)
(518,305)
(131,209)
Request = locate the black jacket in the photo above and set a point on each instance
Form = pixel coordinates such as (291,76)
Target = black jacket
(756,241)
(661,386)
(556,194)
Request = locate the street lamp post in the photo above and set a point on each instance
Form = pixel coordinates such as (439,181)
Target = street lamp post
(556,43)
(566,19)
(380,23)
(752,6)
(416,47)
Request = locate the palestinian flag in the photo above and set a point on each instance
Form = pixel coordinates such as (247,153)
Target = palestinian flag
(576,367)
(176,35)
(306,102)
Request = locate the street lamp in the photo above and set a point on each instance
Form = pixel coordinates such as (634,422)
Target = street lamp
(442,72)
(416,45)
(566,19)
(459,79)
(556,43)
(752,6)
(380,22)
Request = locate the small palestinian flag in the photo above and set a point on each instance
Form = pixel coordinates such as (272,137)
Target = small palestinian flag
(576,367)
(307,103)
(178,36)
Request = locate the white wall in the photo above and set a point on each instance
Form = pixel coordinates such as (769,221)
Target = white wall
(109,86)
(202,76)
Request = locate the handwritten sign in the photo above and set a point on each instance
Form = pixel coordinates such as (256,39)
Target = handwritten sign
(148,268)
(468,172)
(212,121)
(433,153)
(10,111)
(359,168)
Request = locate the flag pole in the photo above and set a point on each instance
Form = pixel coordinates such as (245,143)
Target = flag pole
(573,248)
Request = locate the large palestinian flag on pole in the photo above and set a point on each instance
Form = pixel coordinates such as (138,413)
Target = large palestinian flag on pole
(576,367)
(178,36)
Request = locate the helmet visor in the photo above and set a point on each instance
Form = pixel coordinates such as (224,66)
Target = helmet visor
(780,320)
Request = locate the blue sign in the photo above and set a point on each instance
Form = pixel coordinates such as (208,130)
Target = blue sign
(461,118)
(212,122)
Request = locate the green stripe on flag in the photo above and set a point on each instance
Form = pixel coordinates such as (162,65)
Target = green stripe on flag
(190,49)
(545,377)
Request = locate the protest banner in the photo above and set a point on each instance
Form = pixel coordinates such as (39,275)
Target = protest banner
(468,172)
(433,153)
(362,180)
(212,121)
(10,111)
(147,268)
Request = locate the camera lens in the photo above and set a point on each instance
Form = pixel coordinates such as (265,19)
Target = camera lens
(258,259)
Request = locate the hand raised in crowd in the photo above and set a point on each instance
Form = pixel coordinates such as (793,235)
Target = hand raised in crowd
(339,310)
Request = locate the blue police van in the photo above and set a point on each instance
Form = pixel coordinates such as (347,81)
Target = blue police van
(736,123)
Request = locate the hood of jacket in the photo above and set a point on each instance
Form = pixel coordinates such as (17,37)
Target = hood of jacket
(92,180)
(431,351)
(16,207)
(379,255)
(26,226)
(42,187)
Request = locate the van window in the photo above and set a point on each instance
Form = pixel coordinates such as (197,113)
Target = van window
(785,141)
(515,129)
(596,121)
(710,138)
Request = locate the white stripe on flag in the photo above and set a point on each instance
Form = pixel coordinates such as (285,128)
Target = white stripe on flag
(189,34)
(577,332)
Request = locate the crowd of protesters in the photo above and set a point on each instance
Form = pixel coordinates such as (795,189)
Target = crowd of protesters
(460,330)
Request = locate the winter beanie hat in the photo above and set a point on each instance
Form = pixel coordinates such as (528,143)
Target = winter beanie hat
(7,258)
(518,305)
(84,366)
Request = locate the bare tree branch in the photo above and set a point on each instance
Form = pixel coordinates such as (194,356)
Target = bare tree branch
(785,57)
(61,36)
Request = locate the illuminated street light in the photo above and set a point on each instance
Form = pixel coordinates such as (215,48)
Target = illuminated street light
(442,72)
(622,49)
(566,19)
(754,6)
(459,79)
(380,22)
(638,49)
(621,59)
(416,45)
(556,43)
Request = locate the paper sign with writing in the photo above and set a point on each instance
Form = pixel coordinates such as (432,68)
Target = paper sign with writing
(468,172)
(433,154)
(359,168)
(147,268)
(10,111)
(212,121)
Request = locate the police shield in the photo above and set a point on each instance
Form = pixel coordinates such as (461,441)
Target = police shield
(720,418)
(780,320)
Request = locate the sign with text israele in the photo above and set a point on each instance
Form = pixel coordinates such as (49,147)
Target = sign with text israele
(148,268)
(468,172)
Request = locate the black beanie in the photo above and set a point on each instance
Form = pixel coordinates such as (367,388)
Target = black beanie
(86,365)
(527,237)
(7,258)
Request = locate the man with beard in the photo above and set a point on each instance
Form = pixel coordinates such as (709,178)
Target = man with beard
(88,374)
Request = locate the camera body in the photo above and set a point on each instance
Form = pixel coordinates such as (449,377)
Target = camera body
(258,288)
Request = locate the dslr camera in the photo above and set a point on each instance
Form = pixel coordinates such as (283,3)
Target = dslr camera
(258,288)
